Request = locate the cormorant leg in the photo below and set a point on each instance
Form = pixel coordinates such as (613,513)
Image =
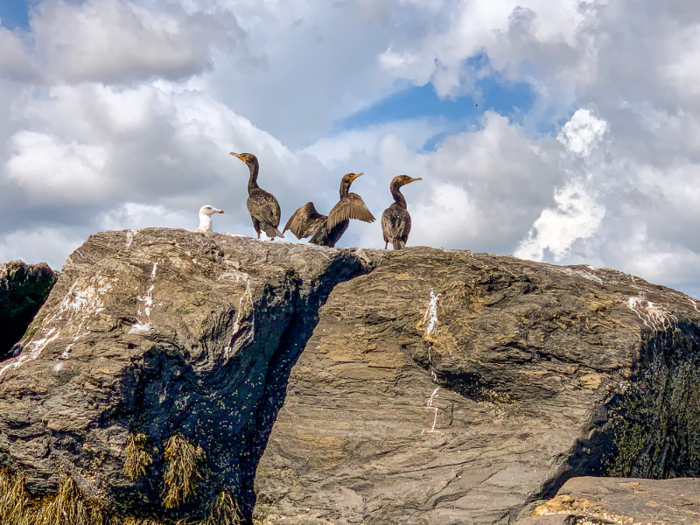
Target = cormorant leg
(386,245)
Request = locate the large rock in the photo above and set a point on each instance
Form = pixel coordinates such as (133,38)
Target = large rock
(622,500)
(447,387)
(155,334)
(23,289)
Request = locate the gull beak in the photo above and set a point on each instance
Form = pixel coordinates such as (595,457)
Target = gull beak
(219,211)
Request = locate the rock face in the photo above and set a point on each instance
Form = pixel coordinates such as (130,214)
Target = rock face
(434,387)
(447,387)
(23,289)
(622,500)
(155,335)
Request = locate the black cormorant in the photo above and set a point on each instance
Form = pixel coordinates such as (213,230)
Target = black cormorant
(326,230)
(396,221)
(263,207)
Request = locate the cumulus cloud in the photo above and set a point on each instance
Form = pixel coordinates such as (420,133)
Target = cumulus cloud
(118,40)
(15,63)
(49,169)
(139,103)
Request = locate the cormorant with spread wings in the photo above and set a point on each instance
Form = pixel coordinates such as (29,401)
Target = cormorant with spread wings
(263,206)
(396,221)
(326,230)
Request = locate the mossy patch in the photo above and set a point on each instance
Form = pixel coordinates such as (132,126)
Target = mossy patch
(183,473)
(138,457)
(656,422)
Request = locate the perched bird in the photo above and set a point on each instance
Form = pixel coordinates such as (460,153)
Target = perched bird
(205,213)
(396,221)
(263,207)
(326,230)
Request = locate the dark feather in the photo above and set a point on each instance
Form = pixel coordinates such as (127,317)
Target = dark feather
(264,207)
(306,221)
(350,207)
(396,225)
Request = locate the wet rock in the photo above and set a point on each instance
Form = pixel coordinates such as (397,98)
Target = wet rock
(171,344)
(23,289)
(449,387)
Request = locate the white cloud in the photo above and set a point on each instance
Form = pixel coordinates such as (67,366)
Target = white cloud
(15,64)
(582,133)
(50,245)
(577,216)
(139,104)
(50,170)
(133,215)
(118,40)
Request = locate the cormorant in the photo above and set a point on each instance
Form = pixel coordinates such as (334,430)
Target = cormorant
(205,213)
(396,221)
(263,207)
(326,230)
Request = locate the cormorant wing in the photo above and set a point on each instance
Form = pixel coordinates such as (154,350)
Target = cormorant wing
(305,221)
(350,207)
(264,207)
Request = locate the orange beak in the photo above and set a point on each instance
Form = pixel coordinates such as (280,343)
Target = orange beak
(237,156)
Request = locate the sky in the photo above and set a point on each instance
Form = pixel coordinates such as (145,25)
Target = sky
(566,132)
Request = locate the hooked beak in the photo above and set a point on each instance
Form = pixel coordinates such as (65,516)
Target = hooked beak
(412,180)
(356,175)
(237,156)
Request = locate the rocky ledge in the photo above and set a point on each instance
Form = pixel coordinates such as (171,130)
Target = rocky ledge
(431,386)
(157,365)
(23,289)
(448,387)
(599,501)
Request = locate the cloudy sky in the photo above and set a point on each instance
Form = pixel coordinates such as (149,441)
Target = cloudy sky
(565,132)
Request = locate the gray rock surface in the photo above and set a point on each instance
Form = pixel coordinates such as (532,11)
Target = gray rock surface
(23,289)
(161,332)
(622,500)
(447,387)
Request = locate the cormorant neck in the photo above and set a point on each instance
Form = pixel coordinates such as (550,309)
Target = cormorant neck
(398,196)
(253,180)
(344,188)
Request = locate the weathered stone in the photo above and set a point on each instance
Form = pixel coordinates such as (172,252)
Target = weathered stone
(624,500)
(155,334)
(447,387)
(23,289)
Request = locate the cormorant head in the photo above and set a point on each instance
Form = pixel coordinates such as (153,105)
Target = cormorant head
(348,178)
(402,180)
(248,158)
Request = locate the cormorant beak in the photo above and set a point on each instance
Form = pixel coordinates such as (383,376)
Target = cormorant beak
(356,175)
(412,180)
(238,156)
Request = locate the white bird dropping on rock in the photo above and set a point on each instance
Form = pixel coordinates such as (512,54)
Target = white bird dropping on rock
(205,213)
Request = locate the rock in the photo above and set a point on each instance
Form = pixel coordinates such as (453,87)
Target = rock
(23,289)
(449,387)
(558,519)
(172,345)
(624,500)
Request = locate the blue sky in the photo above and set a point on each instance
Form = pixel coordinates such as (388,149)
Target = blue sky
(583,148)
(14,14)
